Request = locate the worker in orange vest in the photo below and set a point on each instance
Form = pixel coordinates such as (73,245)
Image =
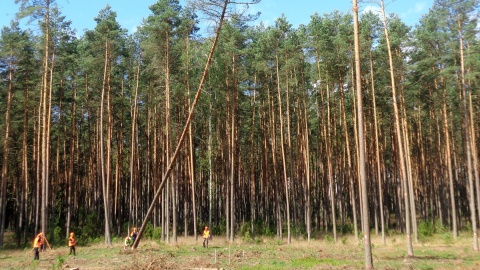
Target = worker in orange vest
(37,243)
(71,243)
(206,236)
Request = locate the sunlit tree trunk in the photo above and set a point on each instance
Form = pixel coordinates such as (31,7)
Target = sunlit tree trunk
(399,138)
(468,138)
(133,150)
(103,170)
(361,141)
(45,116)
(71,175)
(377,151)
(448,158)
(191,153)
(282,148)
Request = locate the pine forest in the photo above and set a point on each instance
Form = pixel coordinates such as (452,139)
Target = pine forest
(252,129)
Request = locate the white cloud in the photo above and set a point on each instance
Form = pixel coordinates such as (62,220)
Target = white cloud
(373,9)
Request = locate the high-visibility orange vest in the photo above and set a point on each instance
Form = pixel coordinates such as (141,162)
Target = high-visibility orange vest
(37,242)
(71,242)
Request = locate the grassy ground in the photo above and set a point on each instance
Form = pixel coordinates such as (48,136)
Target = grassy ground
(437,252)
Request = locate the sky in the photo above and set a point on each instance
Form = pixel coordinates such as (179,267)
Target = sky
(130,13)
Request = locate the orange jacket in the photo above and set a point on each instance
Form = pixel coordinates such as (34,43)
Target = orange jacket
(38,241)
(71,241)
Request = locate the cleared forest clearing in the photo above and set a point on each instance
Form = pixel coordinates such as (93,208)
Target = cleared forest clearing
(437,252)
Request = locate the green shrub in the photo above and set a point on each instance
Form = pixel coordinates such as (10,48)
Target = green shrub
(58,237)
(220,229)
(347,228)
(426,228)
(157,233)
(90,229)
(328,238)
(245,229)
(268,232)
(439,228)
(247,238)
(148,233)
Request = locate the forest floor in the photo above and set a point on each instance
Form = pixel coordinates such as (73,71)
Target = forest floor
(437,252)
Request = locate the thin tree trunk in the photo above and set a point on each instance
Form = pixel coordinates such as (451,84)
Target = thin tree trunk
(398,134)
(71,161)
(468,140)
(133,150)
(102,155)
(282,148)
(360,127)
(448,158)
(377,151)
(6,150)
(44,124)
(25,167)
(190,145)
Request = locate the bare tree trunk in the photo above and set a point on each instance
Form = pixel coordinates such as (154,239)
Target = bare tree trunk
(210,170)
(103,176)
(377,152)
(71,161)
(474,151)
(282,148)
(398,134)
(233,146)
(252,161)
(45,113)
(468,139)
(306,158)
(448,158)
(408,168)
(353,200)
(6,150)
(133,150)
(191,160)
(360,127)
(328,146)
(25,167)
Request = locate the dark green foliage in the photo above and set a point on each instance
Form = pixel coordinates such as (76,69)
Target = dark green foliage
(152,233)
(426,228)
(90,228)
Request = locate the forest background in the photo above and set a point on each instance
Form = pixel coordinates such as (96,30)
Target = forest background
(90,125)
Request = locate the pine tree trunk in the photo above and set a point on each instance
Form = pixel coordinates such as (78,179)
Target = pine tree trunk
(362,163)
(377,152)
(104,160)
(399,138)
(6,150)
(282,148)
(468,139)
(70,179)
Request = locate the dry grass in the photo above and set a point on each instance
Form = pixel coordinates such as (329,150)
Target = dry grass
(438,252)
